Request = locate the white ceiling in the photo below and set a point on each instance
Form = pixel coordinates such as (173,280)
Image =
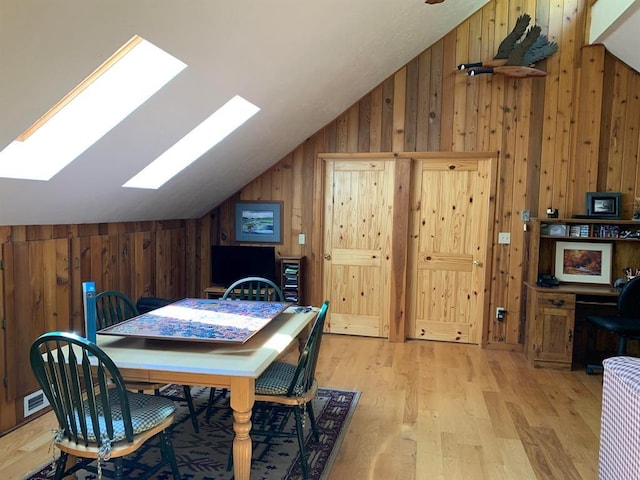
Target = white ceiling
(615,23)
(302,62)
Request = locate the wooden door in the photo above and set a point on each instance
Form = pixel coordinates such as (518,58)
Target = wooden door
(37,300)
(358,218)
(449,254)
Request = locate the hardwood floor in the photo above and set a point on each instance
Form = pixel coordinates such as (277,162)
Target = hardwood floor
(431,410)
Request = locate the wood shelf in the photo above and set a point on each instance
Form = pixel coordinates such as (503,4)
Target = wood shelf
(626,251)
(292,278)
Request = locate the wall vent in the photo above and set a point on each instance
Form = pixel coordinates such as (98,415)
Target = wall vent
(34,403)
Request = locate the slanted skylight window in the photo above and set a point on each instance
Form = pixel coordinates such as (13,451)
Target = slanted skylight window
(194,144)
(115,89)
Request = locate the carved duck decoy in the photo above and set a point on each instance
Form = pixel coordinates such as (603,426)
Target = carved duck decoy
(526,53)
(517,71)
(505,47)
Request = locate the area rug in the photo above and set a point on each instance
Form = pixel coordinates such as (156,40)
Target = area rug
(205,456)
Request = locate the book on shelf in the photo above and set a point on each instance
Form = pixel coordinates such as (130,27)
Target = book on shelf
(579,231)
(606,231)
(574,231)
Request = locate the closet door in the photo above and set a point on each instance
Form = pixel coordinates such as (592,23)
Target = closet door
(449,255)
(358,222)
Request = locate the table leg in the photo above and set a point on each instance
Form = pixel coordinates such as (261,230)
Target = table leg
(302,337)
(242,400)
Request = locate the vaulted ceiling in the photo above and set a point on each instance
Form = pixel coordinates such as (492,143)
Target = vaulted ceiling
(303,63)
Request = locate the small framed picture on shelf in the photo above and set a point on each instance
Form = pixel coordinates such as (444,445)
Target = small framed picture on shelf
(604,204)
(559,230)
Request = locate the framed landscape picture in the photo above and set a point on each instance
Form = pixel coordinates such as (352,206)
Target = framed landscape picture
(258,222)
(583,262)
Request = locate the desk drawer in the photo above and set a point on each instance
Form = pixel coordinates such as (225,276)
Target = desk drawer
(557,300)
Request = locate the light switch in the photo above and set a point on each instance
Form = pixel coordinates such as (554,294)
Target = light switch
(301,239)
(504,237)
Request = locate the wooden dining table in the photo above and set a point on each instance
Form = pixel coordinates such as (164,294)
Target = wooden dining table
(213,364)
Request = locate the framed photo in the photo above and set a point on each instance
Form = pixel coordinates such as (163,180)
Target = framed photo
(559,230)
(583,262)
(258,222)
(604,204)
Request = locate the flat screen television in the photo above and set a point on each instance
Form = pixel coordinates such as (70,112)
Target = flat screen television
(233,262)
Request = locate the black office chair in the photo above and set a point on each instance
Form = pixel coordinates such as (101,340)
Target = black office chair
(626,323)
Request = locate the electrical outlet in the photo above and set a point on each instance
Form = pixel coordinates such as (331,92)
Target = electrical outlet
(526,215)
(504,237)
(301,239)
(500,313)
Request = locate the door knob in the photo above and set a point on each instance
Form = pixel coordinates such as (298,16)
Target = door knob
(327,256)
(478,263)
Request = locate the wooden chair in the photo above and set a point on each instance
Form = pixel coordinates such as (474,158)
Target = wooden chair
(283,389)
(254,288)
(114,307)
(98,418)
(248,288)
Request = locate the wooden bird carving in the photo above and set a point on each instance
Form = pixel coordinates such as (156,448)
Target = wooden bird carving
(517,71)
(505,46)
(517,58)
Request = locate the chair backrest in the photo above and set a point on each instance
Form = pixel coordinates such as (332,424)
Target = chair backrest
(113,307)
(254,288)
(306,369)
(148,304)
(81,383)
(629,299)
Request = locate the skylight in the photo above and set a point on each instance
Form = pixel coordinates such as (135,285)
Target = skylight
(194,144)
(107,96)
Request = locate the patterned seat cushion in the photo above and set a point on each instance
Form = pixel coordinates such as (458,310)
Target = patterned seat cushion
(276,379)
(147,411)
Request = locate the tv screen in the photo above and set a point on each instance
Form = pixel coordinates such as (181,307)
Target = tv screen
(233,262)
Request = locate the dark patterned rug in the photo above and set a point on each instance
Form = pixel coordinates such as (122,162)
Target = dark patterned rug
(205,455)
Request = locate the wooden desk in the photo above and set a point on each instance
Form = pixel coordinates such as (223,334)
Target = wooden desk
(214,291)
(551,317)
(212,365)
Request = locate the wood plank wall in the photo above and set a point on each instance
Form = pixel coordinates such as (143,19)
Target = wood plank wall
(558,137)
(48,264)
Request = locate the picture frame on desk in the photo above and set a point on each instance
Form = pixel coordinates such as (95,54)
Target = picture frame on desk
(583,262)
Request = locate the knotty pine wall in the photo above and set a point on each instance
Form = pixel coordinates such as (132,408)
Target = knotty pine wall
(558,137)
(46,265)
(575,130)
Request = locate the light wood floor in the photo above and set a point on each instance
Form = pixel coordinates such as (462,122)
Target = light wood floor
(431,410)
